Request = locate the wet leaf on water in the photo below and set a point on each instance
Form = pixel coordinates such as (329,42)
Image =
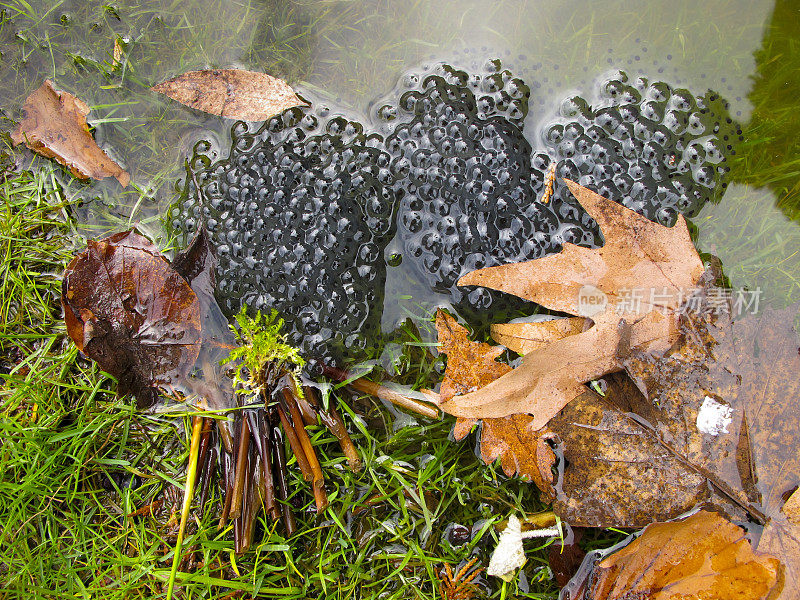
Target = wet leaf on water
(781,538)
(593,283)
(209,383)
(698,557)
(614,470)
(231,93)
(126,308)
(471,365)
(54,125)
(749,367)
(719,425)
(713,426)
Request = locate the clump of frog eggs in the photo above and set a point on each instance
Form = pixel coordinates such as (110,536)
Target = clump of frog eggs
(303,209)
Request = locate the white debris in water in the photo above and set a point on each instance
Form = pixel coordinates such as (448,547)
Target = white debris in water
(509,555)
(714,417)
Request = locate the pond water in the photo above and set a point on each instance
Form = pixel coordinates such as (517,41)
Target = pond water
(353,58)
(349,55)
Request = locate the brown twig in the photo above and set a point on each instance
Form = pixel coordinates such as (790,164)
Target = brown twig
(281,487)
(335,424)
(288,400)
(203,458)
(250,511)
(309,408)
(241,539)
(266,486)
(205,485)
(226,462)
(241,469)
(379,391)
(294,442)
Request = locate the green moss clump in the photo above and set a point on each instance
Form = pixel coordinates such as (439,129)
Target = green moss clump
(263,352)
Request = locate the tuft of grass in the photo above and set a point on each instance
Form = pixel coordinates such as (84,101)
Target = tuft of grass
(90,489)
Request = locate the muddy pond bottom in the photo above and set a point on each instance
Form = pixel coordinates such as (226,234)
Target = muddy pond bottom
(303,209)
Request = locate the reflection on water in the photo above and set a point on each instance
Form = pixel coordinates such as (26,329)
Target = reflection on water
(758,245)
(772,154)
(351,53)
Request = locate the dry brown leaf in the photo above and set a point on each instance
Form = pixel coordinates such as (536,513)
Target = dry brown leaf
(231,93)
(128,309)
(54,125)
(523,338)
(702,556)
(637,254)
(471,365)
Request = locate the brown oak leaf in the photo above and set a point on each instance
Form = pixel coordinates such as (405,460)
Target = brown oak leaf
(231,93)
(594,283)
(470,365)
(54,125)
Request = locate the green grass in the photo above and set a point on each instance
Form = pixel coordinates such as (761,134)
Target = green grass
(75,460)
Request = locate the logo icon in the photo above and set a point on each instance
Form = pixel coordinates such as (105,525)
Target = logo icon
(591,301)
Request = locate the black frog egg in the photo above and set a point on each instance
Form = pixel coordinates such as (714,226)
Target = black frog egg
(454,177)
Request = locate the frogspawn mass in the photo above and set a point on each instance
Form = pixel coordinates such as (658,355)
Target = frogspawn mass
(302,209)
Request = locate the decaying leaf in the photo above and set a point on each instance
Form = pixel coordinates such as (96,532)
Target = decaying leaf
(54,125)
(128,309)
(231,93)
(781,538)
(698,557)
(615,470)
(594,283)
(523,338)
(470,365)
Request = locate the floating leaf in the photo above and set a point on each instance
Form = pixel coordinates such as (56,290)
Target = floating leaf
(701,556)
(470,365)
(128,309)
(616,470)
(593,283)
(54,125)
(231,93)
